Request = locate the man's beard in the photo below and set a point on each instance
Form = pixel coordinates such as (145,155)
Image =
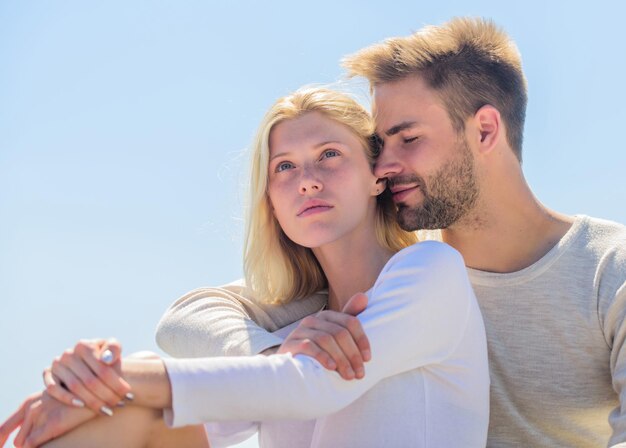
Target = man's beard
(448,195)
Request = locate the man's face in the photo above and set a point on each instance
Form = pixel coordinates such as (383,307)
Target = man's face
(429,166)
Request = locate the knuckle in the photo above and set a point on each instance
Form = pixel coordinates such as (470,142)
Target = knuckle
(98,369)
(325,338)
(342,334)
(355,360)
(91,382)
(93,403)
(308,321)
(73,385)
(353,323)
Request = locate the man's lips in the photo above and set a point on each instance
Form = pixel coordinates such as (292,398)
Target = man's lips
(313,206)
(401,192)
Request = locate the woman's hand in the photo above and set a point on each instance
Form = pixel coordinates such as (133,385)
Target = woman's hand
(46,418)
(89,375)
(335,339)
(16,419)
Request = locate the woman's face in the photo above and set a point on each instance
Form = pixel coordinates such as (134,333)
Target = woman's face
(321,184)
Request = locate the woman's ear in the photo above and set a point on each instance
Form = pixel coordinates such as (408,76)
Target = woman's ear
(379,186)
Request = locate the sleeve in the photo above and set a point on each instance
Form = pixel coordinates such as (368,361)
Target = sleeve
(225,321)
(422,295)
(223,434)
(615,333)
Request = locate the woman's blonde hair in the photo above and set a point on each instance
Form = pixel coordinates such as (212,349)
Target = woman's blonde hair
(278,270)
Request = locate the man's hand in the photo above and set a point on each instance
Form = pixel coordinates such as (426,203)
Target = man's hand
(335,339)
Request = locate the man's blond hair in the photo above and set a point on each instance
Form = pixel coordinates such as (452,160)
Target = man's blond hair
(468,62)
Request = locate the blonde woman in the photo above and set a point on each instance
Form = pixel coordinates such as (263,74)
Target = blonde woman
(319,219)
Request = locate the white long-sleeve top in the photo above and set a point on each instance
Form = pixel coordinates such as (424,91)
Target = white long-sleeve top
(427,384)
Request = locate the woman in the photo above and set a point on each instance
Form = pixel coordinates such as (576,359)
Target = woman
(319,219)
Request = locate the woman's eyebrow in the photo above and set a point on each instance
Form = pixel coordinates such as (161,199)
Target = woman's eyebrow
(319,145)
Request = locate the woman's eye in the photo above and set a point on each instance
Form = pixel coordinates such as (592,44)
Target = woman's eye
(283,166)
(330,153)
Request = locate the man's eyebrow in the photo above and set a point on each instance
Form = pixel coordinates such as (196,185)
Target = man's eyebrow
(399,128)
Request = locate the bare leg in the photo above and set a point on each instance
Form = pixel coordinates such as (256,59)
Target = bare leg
(131,427)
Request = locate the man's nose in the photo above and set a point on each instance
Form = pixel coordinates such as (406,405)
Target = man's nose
(387,164)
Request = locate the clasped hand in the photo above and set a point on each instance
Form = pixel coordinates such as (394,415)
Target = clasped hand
(86,381)
(80,384)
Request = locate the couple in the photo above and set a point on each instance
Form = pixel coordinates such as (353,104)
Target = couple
(449,106)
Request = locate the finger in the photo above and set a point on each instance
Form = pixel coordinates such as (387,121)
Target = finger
(81,390)
(107,375)
(309,348)
(338,342)
(312,334)
(111,352)
(58,392)
(356,304)
(354,327)
(324,333)
(13,422)
(30,413)
(300,344)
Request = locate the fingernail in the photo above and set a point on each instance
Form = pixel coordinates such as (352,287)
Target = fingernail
(360,373)
(107,356)
(78,403)
(121,404)
(332,365)
(367,354)
(130,396)
(349,373)
(106,411)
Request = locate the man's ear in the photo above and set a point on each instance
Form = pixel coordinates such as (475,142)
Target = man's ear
(488,126)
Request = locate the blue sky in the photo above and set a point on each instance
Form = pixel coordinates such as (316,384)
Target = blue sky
(123,128)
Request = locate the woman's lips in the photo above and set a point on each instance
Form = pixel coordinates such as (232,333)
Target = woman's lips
(313,206)
(314,210)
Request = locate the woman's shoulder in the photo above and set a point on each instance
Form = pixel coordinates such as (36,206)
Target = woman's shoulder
(424,268)
(434,254)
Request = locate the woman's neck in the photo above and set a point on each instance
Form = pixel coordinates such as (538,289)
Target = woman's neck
(351,265)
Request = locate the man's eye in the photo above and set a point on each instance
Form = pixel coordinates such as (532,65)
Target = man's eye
(410,139)
(283,166)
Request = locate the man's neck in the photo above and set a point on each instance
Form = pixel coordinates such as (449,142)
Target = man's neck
(507,234)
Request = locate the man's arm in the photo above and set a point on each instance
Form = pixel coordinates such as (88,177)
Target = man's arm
(615,332)
(225,321)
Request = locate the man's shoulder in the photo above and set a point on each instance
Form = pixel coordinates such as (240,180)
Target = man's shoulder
(601,235)
(601,246)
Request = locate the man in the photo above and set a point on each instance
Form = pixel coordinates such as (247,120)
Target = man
(449,103)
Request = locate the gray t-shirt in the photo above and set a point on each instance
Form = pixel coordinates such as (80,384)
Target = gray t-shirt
(555,333)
